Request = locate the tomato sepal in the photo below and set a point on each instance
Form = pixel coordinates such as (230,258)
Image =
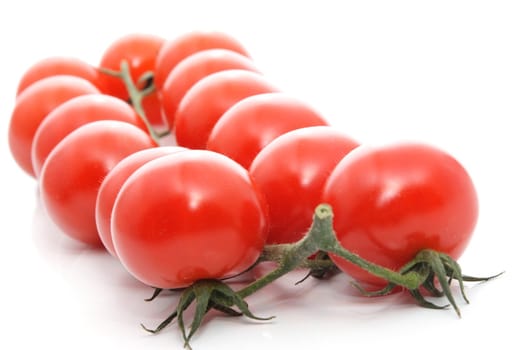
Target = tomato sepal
(436,272)
(207,295)
(440,270)
(156,293)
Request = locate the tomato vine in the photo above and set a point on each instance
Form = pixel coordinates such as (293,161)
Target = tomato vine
(429,270)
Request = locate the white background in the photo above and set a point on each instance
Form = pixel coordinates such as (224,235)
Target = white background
(449,73)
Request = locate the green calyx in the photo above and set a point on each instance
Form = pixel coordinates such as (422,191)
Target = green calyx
(207,295)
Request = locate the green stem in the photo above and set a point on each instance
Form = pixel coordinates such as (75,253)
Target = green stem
(410,280)
(275,253)
(291,257)
(136,96)
(321,236)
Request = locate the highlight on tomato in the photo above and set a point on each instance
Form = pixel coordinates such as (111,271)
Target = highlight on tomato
(32,107)
(188,216)
(206,101)
(112,183)
(390,202)
(252,123)
(291,172)
(174,51)
(192,69)
(74,113)
(73,171)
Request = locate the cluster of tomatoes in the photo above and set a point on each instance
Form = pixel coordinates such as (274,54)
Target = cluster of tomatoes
(184,162)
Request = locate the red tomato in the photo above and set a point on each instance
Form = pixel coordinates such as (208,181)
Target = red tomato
(112,183)
(391,202)
(74,170)
(33,105)
(176,50)
(291,172)
(140,51)
(57,66)
(250,124)
(195,215)
(192,69)
(209,98)
(73,113)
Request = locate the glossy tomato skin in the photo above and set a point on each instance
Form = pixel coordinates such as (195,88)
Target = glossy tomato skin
(112,183)
(252,123)
(140,51)
(74,170)
(33,105)
(392,201)
(291,172)
(174,51)
(74,113)
(188,216)
(193,68)
(57,65)
(206,101)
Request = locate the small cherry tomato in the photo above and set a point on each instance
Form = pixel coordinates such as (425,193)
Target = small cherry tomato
(57,65)
(291,172)
(174,51)
(207,100)
(140,52)
(33,105)
(192,69)
(252,123)
(391,202)
(188,216)
(112,183)
(74,113)
(74,170)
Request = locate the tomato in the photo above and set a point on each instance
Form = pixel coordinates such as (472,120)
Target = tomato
(140,51)
(57,65)
(33,105)
(291,172)
(192,69)
(112,183)
(74,170)
(73,113)
(249,125)
(195,215)
(174,51)
(209,98)
(391,202)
